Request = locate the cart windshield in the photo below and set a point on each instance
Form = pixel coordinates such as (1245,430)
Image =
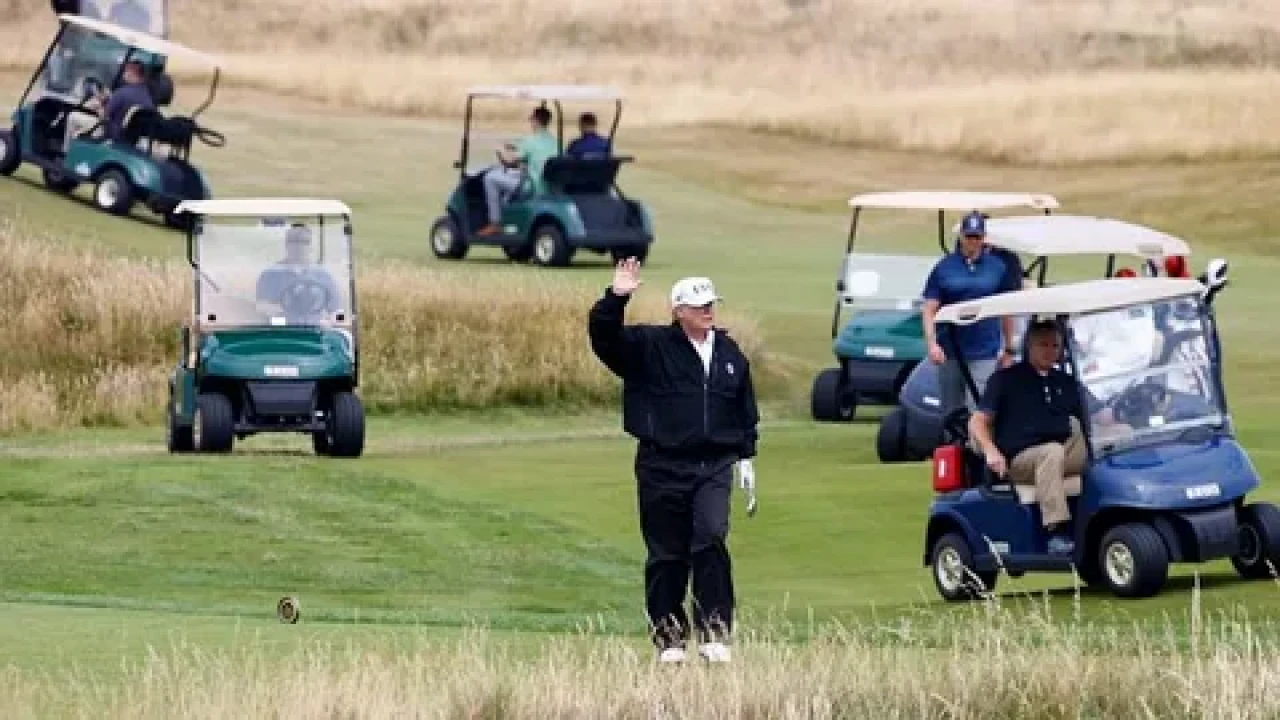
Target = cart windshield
(83,54)
(278,272)
(885,281)
(79,56)
(1150,365)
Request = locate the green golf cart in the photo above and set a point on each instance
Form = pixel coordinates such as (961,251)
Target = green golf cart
(273,343)
(578,207)
(883,341)
(57,128)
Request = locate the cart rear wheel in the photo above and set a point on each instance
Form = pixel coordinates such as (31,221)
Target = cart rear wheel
(891,438)
(829,401)
(1259,555)
(550,247)
(59,181)
(446,239)
(639,252)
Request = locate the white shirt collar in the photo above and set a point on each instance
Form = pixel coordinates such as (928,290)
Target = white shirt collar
(704,349)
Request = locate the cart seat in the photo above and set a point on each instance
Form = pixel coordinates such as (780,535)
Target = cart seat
(583,176)
(1027,493)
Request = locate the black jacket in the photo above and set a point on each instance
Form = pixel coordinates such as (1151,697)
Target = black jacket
(668,401)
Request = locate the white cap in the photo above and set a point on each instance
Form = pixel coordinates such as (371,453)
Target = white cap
(693,291)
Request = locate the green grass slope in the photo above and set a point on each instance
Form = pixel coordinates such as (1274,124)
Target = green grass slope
(528,522)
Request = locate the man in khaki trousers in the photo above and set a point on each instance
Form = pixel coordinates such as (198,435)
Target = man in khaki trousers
(1032,412)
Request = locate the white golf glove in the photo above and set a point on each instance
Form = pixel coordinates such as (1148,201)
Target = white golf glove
(747,481)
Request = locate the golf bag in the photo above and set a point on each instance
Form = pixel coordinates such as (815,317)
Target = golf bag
(145,122)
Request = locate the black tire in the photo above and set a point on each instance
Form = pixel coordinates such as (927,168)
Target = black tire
(1259,556)
(639,252)
(320,442)
(59,181)
(1133,561)
(10,151)
(891,438)
(215,423)
(828,401)
(178,221)
(113,193)
(346,426)
(518,253)
(178,438)
(446,239)
(550,248)
(951,562)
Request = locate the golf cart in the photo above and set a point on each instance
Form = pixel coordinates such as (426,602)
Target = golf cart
(57,128)
(273,344)
(581,206)
(884,339)
(910,431)
(1165,478)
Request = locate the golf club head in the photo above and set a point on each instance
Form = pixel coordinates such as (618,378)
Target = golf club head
(288,610)
(751,503)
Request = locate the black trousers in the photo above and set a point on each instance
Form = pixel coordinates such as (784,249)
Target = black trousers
(684,519)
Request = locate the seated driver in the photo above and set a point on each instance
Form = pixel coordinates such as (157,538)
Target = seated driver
(132,93)
(303,290)
(1036,411)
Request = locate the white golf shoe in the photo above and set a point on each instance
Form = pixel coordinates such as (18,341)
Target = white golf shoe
(714,652)
(672,655)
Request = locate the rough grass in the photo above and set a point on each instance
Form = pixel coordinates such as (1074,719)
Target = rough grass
(992,664)
(1045,81)
(90,338)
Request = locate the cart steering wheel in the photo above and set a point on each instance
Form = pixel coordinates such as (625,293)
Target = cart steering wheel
(90,88)
(304,297)
(1135,405)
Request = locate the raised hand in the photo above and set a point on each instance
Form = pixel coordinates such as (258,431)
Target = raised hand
(626,276)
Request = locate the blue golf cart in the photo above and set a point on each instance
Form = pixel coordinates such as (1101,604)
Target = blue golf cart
(883,340)
(911,431)
(1165,480)
(57,125)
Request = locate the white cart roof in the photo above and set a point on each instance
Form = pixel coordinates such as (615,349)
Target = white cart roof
(1069,299)
(141,40)
(953,200)
(1080,235)
(264,206)
(546,92)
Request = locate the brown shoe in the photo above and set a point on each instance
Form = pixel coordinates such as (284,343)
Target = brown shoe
(488,230)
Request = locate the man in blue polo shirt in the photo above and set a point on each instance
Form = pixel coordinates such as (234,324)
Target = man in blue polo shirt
(590,144)
(969,273)
(132,93)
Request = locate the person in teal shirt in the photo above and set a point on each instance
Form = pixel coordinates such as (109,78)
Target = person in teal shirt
(529,154)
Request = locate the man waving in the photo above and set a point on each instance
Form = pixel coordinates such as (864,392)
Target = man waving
(688,400)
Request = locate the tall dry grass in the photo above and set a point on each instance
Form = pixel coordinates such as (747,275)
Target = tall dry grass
(90,338)
(995,664)
(1050,81)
